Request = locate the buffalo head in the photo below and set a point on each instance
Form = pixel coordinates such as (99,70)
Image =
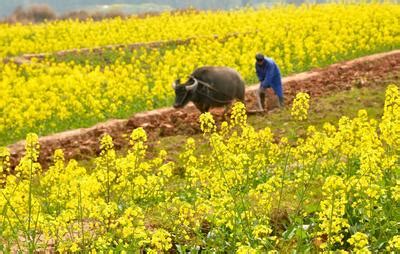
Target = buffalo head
(183,92)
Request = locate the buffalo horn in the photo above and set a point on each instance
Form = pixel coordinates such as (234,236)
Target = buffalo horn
(191,87)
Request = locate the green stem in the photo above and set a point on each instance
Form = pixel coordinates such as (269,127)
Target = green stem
(330,221)
(304,190)
(108,180)
(283,179)
(30,241)
(13,228)
(81,217)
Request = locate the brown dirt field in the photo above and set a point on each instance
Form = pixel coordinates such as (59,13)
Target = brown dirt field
(84,143)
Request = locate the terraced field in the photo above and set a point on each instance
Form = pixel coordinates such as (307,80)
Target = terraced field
(72,91)
(320,175)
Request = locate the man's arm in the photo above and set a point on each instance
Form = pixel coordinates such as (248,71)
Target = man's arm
(259,75)
(269,75)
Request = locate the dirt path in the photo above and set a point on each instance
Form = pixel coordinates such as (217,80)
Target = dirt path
(26,58)
(84,143)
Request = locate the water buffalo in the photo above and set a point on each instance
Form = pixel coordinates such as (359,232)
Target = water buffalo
(208,87)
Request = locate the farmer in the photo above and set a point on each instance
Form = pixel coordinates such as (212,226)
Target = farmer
(270,77)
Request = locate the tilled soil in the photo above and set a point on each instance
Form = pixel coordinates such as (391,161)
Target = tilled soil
(84,143)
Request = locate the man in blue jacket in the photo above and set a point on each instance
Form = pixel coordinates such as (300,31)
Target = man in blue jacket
(270,77)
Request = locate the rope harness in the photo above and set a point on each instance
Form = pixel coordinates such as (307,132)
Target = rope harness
(184,97)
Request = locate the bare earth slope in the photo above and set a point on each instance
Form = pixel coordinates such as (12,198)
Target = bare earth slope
(84,143)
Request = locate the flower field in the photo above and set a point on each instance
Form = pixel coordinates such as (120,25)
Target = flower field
(234,188)
(49,95)
(60,35)
(335,189)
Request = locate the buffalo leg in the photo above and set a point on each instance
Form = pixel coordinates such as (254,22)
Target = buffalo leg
(201,107)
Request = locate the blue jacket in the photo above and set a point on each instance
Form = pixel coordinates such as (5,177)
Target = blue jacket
(270,76)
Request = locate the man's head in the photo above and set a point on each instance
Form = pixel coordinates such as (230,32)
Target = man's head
(259,58)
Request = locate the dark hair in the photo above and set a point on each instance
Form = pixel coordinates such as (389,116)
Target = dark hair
(259,57)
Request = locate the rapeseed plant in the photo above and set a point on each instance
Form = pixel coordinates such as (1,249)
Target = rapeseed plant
(359,242)
(337,188)
(300,106)
(333,224)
